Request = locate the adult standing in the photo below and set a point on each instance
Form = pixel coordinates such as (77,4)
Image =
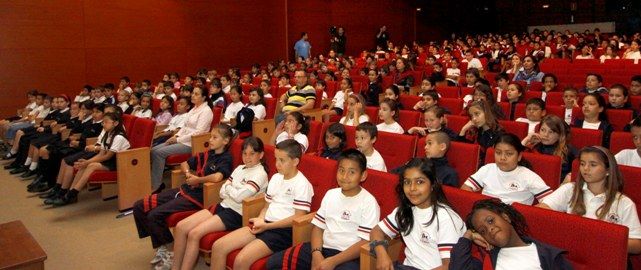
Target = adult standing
(300,97)
(382,37)
(302,47)
(339,40)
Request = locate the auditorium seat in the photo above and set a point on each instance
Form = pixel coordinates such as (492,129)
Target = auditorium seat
(548,167)
(408,119)
(581,137)
(396,149)
(456,122)
(448,91)
(519,129)
(453,105)
(463,157)
(619,118)
(408,101)
(620,140)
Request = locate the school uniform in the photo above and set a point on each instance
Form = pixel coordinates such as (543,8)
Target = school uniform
(331,153)
(426,245)
(600,90)
(150,212)
(339,101)
(299,137)
(450,133)
(124,106)
(242,183)
(392,128)
(284,197)
(375,161)
(232,109)
(373,91)
(519,185)
(163,118)
(259,111)
(623,210)
(109,100)
(114,143)
(536,255)
(81,99)
(344,220)
(484,138)
(142,113)
(99,100)
(445,174)
(30,133)
(350,121)
(628,157)
(176,122)
(603,125)
(566,165)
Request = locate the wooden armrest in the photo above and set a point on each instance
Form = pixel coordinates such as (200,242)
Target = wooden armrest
(199,143)
(91,141)
(160,128)
(177,178)
(302,228)
(264,129)
(134,176)
(252,207)
(211,193)
(369,262)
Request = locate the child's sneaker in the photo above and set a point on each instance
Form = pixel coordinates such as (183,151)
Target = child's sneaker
(166,262)
(160,252)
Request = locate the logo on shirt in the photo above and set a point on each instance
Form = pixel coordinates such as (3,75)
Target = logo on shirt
(425,237)
(514,186)
(346,215)
(612,218)
(244,181)
(289,192)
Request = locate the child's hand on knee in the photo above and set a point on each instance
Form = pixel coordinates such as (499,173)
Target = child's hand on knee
(257,225)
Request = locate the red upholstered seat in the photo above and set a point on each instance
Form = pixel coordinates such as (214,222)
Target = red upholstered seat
(463,157)
(174,218)
(176,159)
(453,105)
(270,107)
(519,110)
(314,136)
(619,118)
(128,121)
(519,129)
(585,137)
(396,149)
(548,167)
(381,185)
(408,119)
(372,113)
(505,108)
(409,101)
(103,177)
(448,91)
(620,140)
(462,200)
(456,122)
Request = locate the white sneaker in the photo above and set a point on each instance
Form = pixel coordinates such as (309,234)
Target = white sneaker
(167,262)
(160,252)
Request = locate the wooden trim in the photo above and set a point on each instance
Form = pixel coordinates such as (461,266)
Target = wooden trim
(252,207)
(211,193)
(134,176)
(315,114)
(302,229)
(368,261)
(263,130)
(199,143)
(177,178)
(91,141)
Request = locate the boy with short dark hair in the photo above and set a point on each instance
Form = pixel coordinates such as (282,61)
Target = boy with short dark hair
(534,113)
(366,134)
(436,146)
(632,157)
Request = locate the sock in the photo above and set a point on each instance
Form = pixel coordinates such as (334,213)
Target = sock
(13,152)
(27,162)
(33,166)
(57,187)
(72,193)
(63,191)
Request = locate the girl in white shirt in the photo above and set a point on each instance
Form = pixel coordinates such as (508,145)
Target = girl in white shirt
(257,103)
(113,141)
(632,157)
(355,111)
(176,122)
(144,110)
(633,52)
(388,114)
(247,180)
(295,126)
(123,100)
(508,179)
(338,103)
(424,219)
(235,94)
(597,194)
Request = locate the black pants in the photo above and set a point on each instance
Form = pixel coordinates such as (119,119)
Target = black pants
(300,257)
(150,214)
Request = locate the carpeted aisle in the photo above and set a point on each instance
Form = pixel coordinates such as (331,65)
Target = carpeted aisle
(78,236)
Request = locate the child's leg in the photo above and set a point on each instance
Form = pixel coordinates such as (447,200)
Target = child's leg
(33,153)
(43,152)
(67,178)
(234,240)
(211,224)
(182,230)
(61,172)
(16,141)
(82,177)
(250,253)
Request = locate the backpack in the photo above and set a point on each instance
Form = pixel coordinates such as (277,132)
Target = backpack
(244,119)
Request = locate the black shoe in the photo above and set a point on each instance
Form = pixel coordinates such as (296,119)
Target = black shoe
(35,182)
(11,166)
(9,156)
(21,169)
(29,174)
(159,189)
(42,187)
(64,200)
(53,198)
(51,194)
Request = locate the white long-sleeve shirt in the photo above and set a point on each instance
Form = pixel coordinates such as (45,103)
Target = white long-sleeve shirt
(198,122)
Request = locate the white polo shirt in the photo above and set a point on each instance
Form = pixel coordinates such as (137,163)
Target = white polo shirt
(284,196)
(350,122)
(243,183)
(623,211)
(392,128)
(299,137)
(346,220)
(376,162)
(526,257)
(427,245)
(628,157)
(519,185)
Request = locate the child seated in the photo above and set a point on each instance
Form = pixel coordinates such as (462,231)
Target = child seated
(595,117)
(338,102)
(165,112)
(245,181)
(483,127)
(144,109)
(597,194)
(514,95)
(257,103)
(289,195)
(335,141)
(176,122)
(434,118)
(388,113)
(632,157)
(550,83)
(365,137)
(499,228)
(618,98)
(84,94)
(423,212)
(337,237)
(355,111)
(123,100)
(150,213)
(502,81)
(235,95)
(534,112)
(509,178)
(437,144)
(429,98)
(453,73)
(570,102)
(635,85)
(594,84)
(553,138)
(373,89)
(295,126)
(394,93)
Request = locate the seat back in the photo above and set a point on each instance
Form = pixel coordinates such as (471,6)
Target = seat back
(408,119)
(372,113)
(314,136)
(236,151)
(218,112)
(519,110)
(270,159)
(382,185)
(581,137)
(519,129)
(408,101)
(461,200)
(620,140)
(448,91)
(619,118)
(453,105)
(612,242)
(396,149)
(632,184)
(456,122)
(321,173)
(128,121)
(554,99)
(270,108)
(463,157)
(548,167)
(141,133)
(505,108)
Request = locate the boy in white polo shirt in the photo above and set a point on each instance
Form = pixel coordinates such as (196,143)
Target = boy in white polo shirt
(366,134)
(631,157)
(341,225)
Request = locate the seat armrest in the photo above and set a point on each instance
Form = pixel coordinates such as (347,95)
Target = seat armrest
(177,178)
(211,193)
(302,228)
(368,261)
(252,207)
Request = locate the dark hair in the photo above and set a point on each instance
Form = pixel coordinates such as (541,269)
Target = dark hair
(167,84)
(636,78)
(599,78)
(126,79)
(369,128)
(517,220)
(88,87)
(404,215)
(205,93)
(395,89)
(96,106)
(550,75)
(216,83)
(109,86)
(170,100)
(349,82)
(626,93)
(393,105)
(119,129)
(148,82)
(433,94)
(285,75)
(227,133)
(636,122)
(501,76)
(237,89)
(514,141)
(188,100)
(291,147)
(601,101)
(257,145)
(322,83)
(338,130)
(261,95)
(302,120)
(356,156)
(474,71)
(41,94)
(536,101)
(187,88)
